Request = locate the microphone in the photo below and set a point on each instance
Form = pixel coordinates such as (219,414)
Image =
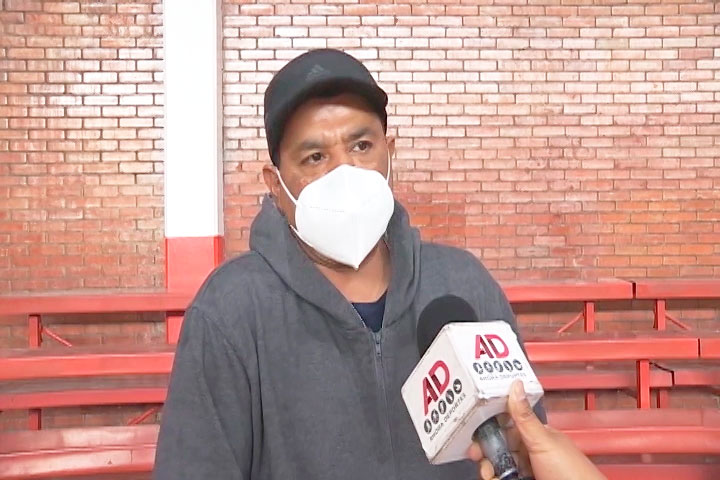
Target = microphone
(462,382)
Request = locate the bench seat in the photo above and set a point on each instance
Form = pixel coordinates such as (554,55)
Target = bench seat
(693,374)
(606,376)
(69,392)
(120,450)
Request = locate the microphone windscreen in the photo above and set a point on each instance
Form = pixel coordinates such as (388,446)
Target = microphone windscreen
(438,313)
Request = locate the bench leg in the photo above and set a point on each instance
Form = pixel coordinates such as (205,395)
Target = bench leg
(589,400)
(34,331)
(663,398)
(589,314)
(660,315)
(173,323)
(643,384)
(35,419)
(34,341)
(590,396)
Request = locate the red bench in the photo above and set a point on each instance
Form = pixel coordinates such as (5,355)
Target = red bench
(105,450)
(624,432)
(73,452)
(59,390)
(689,471)
(33,307)
(36,378)
(710,348)
(705,373)
(660,291)
(42,378)
(640,349)
(618,433)
(81,376)
(587,293)
(678,432)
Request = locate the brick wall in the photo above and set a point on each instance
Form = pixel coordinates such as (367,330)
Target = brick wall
(80,145)
(566,141)
(574,139)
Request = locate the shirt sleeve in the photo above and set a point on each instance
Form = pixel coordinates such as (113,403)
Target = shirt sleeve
(206,427)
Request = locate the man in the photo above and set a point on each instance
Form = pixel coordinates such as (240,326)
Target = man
(292,356)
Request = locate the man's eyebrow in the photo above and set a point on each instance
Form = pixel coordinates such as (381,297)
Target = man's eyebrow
(357,133)
(315,144)
(310,144)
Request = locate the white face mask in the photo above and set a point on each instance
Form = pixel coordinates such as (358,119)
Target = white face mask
(343,214)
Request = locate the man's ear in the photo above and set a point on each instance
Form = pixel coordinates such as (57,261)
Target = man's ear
(271,179)
(391,146)
(277,192)
(391,158)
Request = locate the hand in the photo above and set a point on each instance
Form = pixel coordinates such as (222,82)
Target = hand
(540,451)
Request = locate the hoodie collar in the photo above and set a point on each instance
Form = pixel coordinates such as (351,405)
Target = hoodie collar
(271,238)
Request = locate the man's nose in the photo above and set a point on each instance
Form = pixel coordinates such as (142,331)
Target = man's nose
(342,157)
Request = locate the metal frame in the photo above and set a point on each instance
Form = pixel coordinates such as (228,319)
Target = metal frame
(83,362)
(595,348)
(94,450)
(660,291)
(35,306)
(586,292)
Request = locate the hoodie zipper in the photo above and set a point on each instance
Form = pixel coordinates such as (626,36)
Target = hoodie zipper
(376,339)
(380,377)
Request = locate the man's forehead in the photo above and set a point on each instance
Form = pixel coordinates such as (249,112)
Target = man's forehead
(343,114)
(345,102)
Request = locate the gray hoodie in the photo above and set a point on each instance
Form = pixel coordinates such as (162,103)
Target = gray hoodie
(277,377)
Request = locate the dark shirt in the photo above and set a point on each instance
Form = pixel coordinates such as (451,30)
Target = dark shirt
(372,313)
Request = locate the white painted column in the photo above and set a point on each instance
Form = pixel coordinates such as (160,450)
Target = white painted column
(193,140)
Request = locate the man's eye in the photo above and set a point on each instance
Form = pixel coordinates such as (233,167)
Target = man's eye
(314,158)
(362,146)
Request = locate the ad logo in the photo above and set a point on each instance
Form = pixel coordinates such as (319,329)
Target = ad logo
(490,349)
(434,386)
(490,345)
(438,389)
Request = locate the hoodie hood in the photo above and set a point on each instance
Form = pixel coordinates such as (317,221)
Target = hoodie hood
(271,238)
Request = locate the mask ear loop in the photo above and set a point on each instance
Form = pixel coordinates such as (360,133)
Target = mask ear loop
(277,171)
(384,237)
(295,230)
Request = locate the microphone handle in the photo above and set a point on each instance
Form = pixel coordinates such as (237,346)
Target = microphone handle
(494,448)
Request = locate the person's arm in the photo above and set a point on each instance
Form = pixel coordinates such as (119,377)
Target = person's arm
(540,451)
(206,427)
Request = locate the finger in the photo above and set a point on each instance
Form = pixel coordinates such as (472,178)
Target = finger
(474,453)
(486,470)
(522,460)
(527,423)
(503,419)
(513,439)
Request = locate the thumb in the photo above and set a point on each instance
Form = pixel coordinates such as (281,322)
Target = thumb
(533,432)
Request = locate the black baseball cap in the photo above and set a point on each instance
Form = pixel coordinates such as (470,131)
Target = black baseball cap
(316,73)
